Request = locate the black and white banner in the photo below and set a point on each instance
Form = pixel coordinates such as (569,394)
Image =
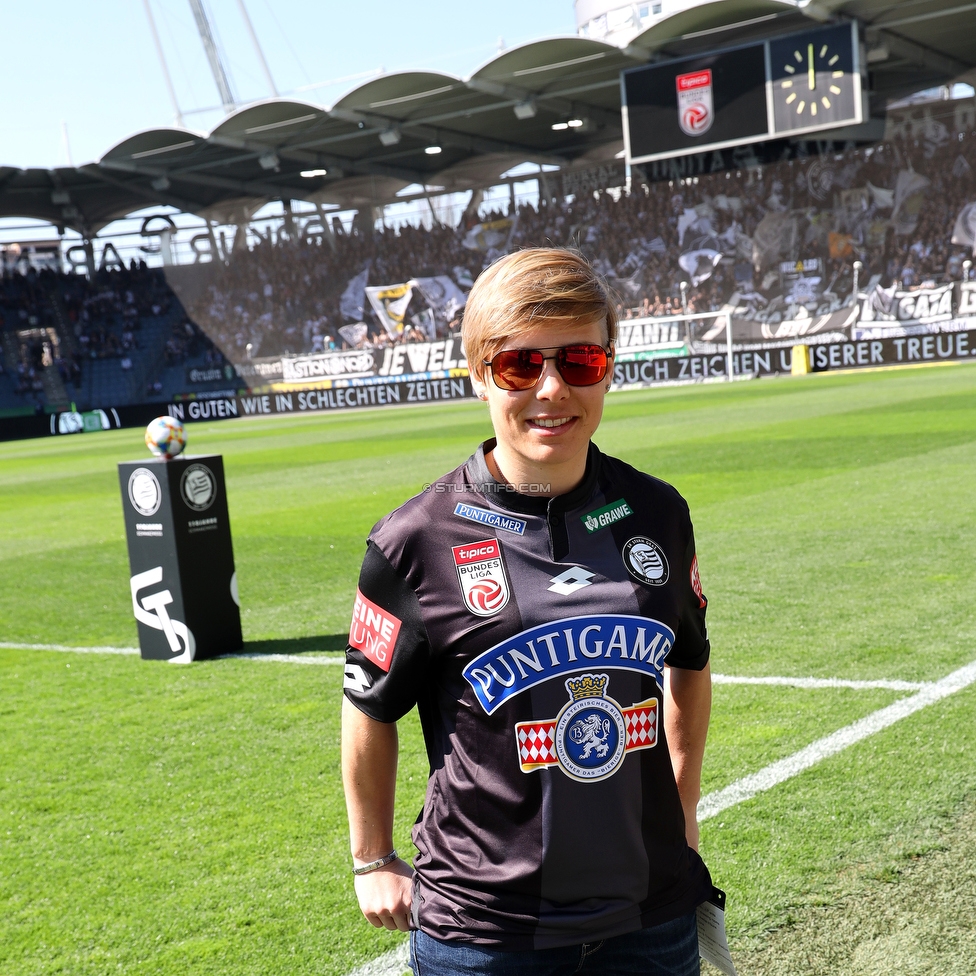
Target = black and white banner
(402,359)
(890,306)
(371,393)
(329,365)
(377,391)
(899,350)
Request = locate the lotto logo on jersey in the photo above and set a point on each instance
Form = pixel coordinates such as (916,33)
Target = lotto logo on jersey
(373,631)
(481,574)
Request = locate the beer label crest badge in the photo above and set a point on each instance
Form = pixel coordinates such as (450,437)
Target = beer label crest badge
(695,112)
(590,736)
(481,574)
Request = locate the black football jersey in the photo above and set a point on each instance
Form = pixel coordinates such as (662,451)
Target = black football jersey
(531,633)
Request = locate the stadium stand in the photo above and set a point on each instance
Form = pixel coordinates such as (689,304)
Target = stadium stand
(891,206)
(691,244)
(770,234)
(122,337)
(125,337)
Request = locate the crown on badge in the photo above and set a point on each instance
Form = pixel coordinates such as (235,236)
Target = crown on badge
(587,686)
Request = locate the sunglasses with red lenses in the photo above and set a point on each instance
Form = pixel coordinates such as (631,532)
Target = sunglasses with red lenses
(582,364)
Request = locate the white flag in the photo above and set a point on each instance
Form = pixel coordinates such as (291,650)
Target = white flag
(964,231)
(700,264)
(353,334)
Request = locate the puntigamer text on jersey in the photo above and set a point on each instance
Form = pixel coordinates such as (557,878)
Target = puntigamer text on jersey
(561,647)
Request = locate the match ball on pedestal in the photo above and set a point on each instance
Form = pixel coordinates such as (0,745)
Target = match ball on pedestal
(165,437)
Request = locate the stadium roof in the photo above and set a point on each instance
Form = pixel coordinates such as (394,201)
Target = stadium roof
(438,130)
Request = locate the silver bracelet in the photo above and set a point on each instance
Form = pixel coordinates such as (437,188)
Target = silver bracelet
(378,863)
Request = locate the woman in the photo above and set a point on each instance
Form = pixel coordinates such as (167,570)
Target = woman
(541,607)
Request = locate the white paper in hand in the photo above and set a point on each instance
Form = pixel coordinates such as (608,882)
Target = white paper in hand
(713,946)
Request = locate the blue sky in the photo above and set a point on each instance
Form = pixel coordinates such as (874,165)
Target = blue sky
(92,63)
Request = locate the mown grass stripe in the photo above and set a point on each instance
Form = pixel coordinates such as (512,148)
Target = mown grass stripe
(719,679)
(784,769)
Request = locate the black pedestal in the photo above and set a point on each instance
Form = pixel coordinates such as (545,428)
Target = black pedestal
(183,585)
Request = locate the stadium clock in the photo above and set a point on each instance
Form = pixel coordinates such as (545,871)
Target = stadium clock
(814,82)
(786,86)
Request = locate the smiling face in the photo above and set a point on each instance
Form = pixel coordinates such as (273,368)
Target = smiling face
(543,434)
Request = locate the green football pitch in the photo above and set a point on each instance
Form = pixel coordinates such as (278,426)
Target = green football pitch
(159,819)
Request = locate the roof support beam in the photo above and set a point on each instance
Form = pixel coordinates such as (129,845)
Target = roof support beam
(82,218)
(244,187)
(430,128)
(8,176)
(917,53)
(449,137)
(879,33)
(154,196)
(561,102)
(315,160)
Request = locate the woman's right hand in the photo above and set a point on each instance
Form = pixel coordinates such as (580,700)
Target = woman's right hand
(385,895)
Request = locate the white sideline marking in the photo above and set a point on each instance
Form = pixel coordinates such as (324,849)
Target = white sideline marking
(729,679)
(392,963)
(719,679)
(253,655)
(287,658)
(63,647)
(784,769)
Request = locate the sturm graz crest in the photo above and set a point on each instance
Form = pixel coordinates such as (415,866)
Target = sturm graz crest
(145,494)
(645,560)
(198,487)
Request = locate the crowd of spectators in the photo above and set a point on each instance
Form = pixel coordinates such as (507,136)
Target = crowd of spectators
(283,295)
(667,246)
(65,321)
(683,245)
(30,338)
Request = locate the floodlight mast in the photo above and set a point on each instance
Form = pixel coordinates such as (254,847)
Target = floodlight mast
(257,48)
(162,61)
(213,55)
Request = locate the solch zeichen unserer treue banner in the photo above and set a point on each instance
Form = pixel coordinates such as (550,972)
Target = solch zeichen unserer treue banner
(899,350)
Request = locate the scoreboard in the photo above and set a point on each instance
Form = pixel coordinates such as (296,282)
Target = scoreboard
(787,86)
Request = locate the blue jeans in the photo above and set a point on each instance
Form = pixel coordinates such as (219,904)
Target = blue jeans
(670,949)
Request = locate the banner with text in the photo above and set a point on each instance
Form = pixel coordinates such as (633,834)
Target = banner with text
(371,393)
(401,359)
(901,350)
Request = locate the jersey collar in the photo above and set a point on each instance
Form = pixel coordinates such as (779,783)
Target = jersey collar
(479,475)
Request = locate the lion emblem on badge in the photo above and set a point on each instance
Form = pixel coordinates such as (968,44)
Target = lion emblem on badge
(590,737)
(591,734)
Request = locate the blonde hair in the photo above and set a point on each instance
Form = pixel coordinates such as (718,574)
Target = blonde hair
(540,286)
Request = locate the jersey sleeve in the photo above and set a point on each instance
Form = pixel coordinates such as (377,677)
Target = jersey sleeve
(691,647)
(388,652)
